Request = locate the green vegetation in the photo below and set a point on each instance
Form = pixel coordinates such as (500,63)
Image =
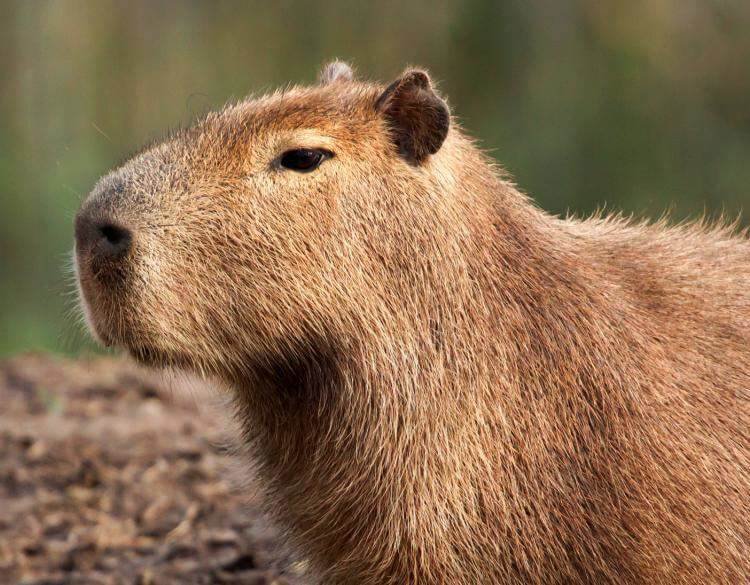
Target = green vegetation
(642,105)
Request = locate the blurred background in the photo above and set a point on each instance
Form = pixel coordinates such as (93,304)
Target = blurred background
(642,106)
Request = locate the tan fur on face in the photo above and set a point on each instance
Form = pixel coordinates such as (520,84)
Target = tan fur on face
(441,383)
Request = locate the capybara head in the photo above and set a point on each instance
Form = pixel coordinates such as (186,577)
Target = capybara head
(264,225)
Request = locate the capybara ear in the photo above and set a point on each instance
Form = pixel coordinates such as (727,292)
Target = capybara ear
(336,71)
(418,118)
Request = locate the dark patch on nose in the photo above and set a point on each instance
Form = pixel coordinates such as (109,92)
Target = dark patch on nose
(102,237)
(103,240)
(114,239)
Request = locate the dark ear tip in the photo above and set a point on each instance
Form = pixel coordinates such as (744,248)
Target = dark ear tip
(411,80)
(416,77)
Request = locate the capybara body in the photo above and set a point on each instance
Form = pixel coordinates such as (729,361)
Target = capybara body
(438,382)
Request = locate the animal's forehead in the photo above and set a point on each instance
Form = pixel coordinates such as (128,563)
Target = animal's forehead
(224,138)
(324,107)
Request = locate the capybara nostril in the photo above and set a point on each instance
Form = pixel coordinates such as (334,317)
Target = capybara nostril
(101,238)
(114,240)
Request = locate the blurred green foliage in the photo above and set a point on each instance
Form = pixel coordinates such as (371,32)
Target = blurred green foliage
(642,106)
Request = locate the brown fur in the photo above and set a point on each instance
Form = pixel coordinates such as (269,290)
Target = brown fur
(440,382)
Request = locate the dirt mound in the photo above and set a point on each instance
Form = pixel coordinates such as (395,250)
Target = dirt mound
(108,477)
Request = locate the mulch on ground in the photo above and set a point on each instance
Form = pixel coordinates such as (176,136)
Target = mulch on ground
(107,475)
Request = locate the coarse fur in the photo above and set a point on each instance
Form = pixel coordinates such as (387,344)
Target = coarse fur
(440,383)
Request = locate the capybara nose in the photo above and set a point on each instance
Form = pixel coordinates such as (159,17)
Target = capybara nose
(102,238)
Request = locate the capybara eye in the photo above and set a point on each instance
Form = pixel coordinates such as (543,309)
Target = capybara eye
(303,160)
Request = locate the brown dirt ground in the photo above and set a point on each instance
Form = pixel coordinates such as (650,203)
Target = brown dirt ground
(106,476)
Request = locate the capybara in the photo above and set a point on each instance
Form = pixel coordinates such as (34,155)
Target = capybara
(438,382)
